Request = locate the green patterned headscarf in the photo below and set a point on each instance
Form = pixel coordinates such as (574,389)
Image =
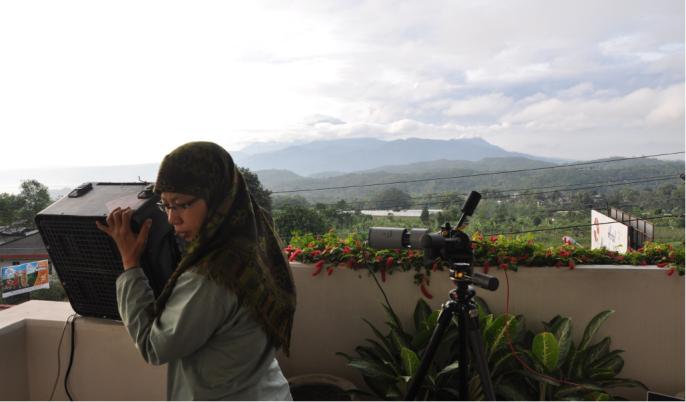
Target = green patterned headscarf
(237,246)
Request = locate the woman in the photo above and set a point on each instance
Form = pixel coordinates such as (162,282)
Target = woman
(230,302)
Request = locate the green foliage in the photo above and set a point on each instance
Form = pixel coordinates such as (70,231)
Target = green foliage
(294,219)
(425,217)
(391,198)
(523,366)
(329,251)
(20,210)
(260,194)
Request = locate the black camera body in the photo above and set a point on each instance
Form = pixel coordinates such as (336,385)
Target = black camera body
(450,244)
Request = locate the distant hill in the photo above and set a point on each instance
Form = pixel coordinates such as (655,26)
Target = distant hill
(359,154)
(416,177)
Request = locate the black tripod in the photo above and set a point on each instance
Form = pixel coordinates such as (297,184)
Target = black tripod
(463,306)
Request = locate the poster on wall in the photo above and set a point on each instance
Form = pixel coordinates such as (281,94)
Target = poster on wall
(607,232)
(23,278)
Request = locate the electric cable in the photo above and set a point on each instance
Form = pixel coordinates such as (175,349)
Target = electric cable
(437,197)
(71,357)
(59,359)
(582,226)
(478,174)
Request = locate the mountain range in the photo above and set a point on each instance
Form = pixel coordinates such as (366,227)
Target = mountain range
(332,157)
(282,167)
(316,159)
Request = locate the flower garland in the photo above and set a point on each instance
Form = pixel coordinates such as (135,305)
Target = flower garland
(329,252)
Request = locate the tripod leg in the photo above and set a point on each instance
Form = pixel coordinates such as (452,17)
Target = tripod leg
(477,347)
(443,323)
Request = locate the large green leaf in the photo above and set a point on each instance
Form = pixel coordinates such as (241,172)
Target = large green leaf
(496,335)
(396,325)
(597,351)
(410,361)
(539,377)
(381,350)
(421,311)
(575,390)
(611,361)
(449,368)
(422,336)
(562,329)
(546,349)
(371,369)
(382,337)
(592,328)
(499,361)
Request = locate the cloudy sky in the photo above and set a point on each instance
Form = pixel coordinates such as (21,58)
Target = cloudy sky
(109,83)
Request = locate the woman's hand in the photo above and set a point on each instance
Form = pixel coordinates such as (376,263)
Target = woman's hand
(130,245)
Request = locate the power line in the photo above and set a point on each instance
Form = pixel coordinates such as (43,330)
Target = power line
(582,226)
(477,174)
(434,197)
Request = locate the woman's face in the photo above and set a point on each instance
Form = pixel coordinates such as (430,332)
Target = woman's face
(185,212)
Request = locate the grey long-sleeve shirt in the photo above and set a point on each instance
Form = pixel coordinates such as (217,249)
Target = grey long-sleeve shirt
(214,348)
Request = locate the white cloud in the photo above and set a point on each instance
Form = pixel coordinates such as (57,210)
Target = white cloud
(488,105)
(143,77)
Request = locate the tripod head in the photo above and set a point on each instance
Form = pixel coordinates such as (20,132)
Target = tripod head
(450,244)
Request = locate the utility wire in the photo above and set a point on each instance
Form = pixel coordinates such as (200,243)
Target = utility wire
(582,226)
(437,198)
(478,174)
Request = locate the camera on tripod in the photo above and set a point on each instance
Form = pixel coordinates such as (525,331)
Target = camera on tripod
(454,247)
(451,245)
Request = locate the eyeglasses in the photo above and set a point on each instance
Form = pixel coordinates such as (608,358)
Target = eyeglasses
(176,207)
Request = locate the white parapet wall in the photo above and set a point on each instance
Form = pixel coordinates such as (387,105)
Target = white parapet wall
(648,324)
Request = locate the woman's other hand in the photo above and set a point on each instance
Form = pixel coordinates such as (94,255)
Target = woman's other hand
(130,245)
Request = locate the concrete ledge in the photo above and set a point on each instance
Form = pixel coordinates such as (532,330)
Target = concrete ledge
(648,322)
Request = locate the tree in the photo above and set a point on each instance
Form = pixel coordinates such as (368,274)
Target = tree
(10,205)
(425,217)
(34,197)
(281,201)
(260,194)
(392,198)
(292,218)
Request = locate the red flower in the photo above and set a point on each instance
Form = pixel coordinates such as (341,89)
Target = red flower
(315,253)
(661,264)
(346,250)
(329,271)
(486,266)
(494,238)
(295,255)
(378,258)
(350,263)
(571,264)
(425,291)
(318,268)
(558,264)
(671,271)
(389,262)
(502,266)
(383,274)
(513,260)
